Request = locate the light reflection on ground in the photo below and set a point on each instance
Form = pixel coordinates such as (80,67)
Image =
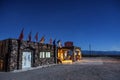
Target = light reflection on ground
(97,60)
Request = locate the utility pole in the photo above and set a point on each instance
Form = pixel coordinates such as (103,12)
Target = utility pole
(90,50)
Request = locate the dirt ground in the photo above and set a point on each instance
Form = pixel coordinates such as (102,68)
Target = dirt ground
(94,68)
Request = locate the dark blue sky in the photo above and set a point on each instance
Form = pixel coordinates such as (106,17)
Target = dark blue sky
(95,22)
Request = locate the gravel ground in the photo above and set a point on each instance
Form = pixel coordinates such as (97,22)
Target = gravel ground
(99,68)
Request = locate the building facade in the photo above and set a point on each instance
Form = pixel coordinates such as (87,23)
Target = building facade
(69,53)
(16,54)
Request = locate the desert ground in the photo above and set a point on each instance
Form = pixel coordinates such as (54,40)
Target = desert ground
(89,68)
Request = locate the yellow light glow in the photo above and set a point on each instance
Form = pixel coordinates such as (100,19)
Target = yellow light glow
(67,62)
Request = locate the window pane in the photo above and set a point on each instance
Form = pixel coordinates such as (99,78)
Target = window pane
(42,54)
(47,54)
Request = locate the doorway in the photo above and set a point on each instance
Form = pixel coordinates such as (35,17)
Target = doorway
(26,60)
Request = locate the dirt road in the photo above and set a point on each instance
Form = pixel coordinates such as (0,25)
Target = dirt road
(100,68)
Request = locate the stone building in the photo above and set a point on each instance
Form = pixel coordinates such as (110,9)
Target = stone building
(16,54)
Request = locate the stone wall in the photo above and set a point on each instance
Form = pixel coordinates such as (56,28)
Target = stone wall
(4,54)
(16,49)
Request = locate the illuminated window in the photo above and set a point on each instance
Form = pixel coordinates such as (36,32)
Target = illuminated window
(42,54)
(47,54)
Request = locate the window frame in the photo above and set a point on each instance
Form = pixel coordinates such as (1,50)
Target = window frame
(44,54)
(47,55)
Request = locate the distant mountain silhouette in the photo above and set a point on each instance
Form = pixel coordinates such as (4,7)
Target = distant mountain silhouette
(100,53)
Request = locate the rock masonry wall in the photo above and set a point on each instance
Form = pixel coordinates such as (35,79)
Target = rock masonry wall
(16,48)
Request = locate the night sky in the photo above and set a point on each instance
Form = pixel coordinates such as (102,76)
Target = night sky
(94,22)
